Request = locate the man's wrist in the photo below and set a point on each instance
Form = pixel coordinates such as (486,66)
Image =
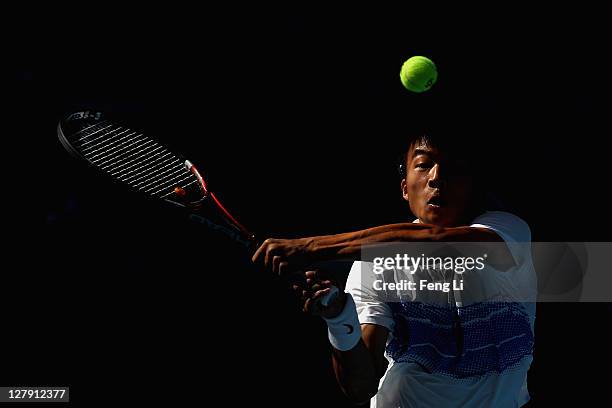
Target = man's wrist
(344,330)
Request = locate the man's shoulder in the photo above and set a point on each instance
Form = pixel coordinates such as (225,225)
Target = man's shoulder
(359,269)
(511,227)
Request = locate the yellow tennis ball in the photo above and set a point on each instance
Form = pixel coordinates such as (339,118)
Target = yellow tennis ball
(418,74)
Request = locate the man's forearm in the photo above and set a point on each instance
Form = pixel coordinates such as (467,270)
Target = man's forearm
(355,372)
(348,245)
(359,369)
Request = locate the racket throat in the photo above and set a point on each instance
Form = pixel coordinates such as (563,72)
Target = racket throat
(190,167)
(208,194)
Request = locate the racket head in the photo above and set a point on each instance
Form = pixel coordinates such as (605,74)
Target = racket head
(129,156)
(146,166)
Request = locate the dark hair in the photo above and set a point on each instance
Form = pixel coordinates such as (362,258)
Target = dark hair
(456,136)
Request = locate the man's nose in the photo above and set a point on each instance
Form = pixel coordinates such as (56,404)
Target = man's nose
(436,177)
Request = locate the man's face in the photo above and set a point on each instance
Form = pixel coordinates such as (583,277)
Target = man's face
(438,187)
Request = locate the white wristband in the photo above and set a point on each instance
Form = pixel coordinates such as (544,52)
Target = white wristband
(344,330)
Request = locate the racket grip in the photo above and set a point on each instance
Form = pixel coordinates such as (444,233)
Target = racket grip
(328,298)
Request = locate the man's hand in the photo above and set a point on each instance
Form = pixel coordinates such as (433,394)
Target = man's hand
(281,255)
(315,288)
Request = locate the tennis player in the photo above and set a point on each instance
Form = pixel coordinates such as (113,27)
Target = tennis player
(463,348)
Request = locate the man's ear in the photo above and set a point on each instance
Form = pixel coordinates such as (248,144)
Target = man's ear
(405,190)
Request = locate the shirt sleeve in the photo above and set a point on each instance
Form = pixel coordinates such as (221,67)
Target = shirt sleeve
(370,307)
(513,230)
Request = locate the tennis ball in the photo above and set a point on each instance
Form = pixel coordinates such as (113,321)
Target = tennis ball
(418,74)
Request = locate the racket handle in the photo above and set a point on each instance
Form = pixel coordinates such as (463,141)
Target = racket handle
(328,298)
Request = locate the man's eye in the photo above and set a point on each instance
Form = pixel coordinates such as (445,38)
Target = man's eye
(424,165)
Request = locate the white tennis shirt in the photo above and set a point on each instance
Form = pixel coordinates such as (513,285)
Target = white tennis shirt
(433,365)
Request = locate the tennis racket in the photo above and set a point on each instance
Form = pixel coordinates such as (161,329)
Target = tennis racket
(150,168)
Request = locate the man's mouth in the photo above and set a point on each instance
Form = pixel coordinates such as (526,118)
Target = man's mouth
(436,202)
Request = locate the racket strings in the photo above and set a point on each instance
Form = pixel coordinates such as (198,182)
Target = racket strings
(87,131)
(98,153)
(133,158)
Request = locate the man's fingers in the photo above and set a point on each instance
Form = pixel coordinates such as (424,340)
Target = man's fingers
(320,293)
(260,252)
(314,282)
(283,267)
(311,289)
(306,295)
(276,260)
(312,304)
(268,258)
(307,305)
(319,274)
(310,274)
(266,250)
(279,266)
(292,251)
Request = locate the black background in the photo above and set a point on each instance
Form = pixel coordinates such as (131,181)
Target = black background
(296,116)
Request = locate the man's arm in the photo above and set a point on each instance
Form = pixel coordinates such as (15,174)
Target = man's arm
(279,253)
(359,370)
(357,349)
